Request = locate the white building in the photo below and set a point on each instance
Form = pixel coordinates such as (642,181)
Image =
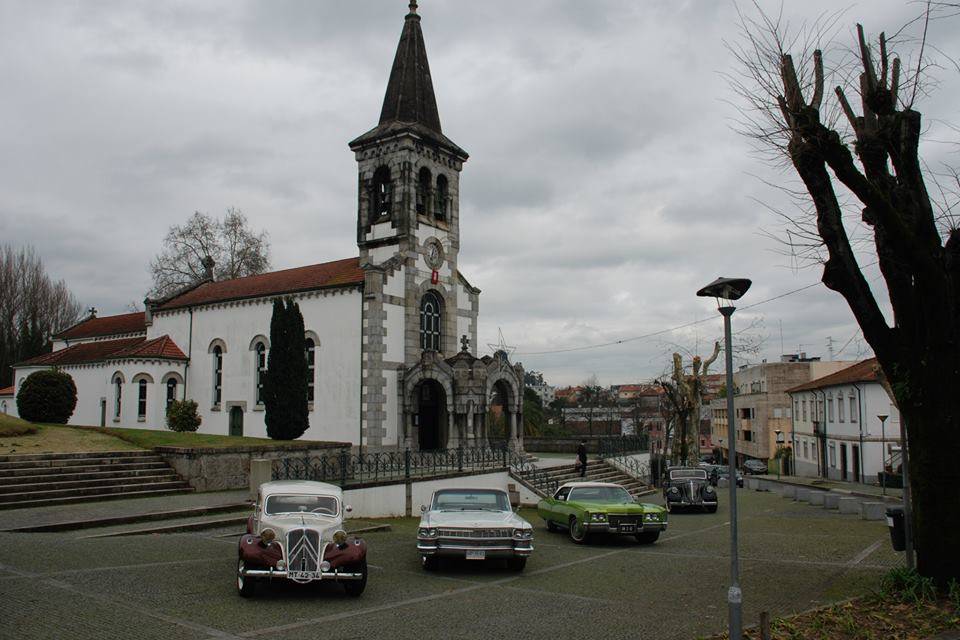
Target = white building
(837,430)
(390,333)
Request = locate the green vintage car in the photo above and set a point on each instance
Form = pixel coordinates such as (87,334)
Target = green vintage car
(586,508)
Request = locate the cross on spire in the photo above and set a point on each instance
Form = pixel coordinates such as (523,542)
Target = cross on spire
(413,6)
(464,343)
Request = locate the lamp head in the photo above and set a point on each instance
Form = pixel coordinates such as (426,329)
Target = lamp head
(882,417)
(725,290)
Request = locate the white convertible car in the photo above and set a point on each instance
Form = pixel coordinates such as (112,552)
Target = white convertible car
(476,524)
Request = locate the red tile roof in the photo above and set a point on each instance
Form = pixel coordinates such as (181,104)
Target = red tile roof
(6,391)
(339,273)
(124,348)
(105,326)
(864,371)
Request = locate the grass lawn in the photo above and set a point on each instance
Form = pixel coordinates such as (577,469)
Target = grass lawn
(20,436)
(149,438)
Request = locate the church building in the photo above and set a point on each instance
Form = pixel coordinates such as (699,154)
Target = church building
(391,332)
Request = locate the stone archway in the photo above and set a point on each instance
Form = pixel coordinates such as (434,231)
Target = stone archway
(430,417)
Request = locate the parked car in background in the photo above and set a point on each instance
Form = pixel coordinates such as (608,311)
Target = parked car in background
(718,471)
(754,467)
(475,524)
(587,508)
(296,533)
(685,487)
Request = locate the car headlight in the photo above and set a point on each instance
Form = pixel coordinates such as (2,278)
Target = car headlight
(708,489)
(674,490)
(425,532)
(340,537)
(651,517)
(267,536)
(598,517)
(522,534)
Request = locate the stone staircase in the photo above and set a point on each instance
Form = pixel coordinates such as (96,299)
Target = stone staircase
(34,480)
(544,480)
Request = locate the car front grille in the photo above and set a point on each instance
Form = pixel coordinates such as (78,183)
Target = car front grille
(303,550)
(617,520)
(476,533)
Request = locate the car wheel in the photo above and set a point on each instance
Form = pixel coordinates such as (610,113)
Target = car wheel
(578,532)
(245,586)
(552,527)
(429,563)
(712,508)
(648,537)
(517,564)
(355,587)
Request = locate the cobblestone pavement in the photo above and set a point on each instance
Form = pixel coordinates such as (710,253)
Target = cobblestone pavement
(837,485)
(794,557)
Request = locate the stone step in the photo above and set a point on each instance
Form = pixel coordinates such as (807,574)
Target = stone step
(77,462)
(13,475)
(19,457)
(46,502)
(12,499)
(56,484)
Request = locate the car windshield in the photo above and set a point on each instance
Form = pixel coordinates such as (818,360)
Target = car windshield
(323,505)
(688,474)
(601,495)
(470,500)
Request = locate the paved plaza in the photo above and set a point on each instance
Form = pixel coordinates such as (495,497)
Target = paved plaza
(794,556)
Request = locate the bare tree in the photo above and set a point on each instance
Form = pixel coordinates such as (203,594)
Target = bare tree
(875,163)
(684,394)
(235,249)
(32,308)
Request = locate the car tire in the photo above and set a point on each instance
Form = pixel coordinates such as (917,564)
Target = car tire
(354,588)
(246,587)
(578,532)
(648,537)
(712,508)
(517,564)
(552,527)
(430,563)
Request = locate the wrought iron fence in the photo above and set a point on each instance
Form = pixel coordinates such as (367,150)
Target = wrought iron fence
(624,445)
(536,477)
(347,468)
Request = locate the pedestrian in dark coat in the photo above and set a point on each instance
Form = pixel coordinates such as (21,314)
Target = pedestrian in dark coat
(582,458)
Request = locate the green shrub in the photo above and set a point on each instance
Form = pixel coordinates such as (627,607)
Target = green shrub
(182,416)
(953,594)
(908,586)
(13,430)
(47,396)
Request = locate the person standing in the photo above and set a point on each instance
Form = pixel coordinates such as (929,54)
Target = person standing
(582,458)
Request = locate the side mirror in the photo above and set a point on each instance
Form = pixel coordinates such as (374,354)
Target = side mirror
(423,508)
(348,509)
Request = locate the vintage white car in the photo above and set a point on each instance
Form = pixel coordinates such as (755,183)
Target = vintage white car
(296,533)
(476,524)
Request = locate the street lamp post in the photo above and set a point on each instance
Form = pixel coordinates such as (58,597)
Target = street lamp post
(779,449)
(725,291)
(883,453)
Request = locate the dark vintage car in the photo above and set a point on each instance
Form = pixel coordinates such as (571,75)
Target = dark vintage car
(718,471)
(685,487)
(755,467)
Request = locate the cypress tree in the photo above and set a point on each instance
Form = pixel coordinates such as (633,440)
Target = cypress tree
(285,383)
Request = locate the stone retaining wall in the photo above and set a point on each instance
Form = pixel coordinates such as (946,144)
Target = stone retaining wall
(210,469)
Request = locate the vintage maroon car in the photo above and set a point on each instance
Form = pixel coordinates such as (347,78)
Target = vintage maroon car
(296,533)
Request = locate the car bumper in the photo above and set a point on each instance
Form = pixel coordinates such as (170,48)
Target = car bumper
(691,503)
(320,575)
(453,550)
(604,527)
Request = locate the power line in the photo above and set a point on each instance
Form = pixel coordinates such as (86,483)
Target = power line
(662,331)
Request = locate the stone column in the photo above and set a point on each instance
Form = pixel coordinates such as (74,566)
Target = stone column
(471,430)
(453,433)
(408,426)
(512,443)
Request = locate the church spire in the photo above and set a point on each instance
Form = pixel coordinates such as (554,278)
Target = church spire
(410,97)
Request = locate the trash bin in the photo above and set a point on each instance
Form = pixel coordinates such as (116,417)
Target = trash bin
(898,536)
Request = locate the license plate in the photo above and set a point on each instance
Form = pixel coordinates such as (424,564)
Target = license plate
(303,575)
(476,554)
(628,528)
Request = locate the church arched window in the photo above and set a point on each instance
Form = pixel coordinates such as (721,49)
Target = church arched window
(171,391)
(217,375)
(142,400)
(382,192)
(431,314)
(260,368)
(423,191)
(311,353)
(117,395)
(440,202)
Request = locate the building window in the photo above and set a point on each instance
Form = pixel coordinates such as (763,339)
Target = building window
(841,413)
(830,409)
(423,191)
(804,409)
(806,450)
(260,369)
(747,435)
(440,203)
(311,352)
(853,409)
(142,400)
(117,396)
(382,192)
(431,312)
(217,375)
(171,391)
(833,455)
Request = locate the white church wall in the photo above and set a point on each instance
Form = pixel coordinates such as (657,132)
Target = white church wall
(381,230)
(395,284)
(463,329)
(379,255)
(394,340)
(391,407)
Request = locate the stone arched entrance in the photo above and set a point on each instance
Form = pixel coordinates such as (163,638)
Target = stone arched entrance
(430,419)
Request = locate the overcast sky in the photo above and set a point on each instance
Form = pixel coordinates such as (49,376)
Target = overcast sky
(605,183)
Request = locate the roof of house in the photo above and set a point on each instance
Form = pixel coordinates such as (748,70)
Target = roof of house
(640,388)
(339,273)
(106,326)
(864,371)
(6,391)
(124,348)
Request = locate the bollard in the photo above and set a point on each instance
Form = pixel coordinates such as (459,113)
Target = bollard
(802,495)
(849,505)
(831,500)
(873,510)
(752,483)
(787,490)
(816,498)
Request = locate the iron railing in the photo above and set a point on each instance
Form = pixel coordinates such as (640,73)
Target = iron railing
(346,468)
(623,446)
